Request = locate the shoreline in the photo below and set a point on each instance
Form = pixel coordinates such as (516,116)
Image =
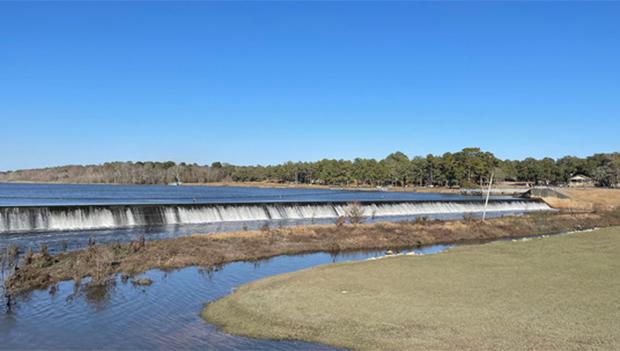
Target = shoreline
(101,262)
(418,302)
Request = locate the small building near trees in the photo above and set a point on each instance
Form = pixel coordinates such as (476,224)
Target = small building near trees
(580,180)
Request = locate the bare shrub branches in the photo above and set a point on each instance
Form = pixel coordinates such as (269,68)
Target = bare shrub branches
(355,213)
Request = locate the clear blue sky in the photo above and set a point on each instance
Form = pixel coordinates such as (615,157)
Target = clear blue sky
(263,83)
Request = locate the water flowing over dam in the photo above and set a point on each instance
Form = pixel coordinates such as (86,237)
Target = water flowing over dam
(84,217)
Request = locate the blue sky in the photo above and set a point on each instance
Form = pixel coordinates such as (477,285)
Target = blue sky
(266,82)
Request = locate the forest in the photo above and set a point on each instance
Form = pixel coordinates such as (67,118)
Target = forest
(466,168)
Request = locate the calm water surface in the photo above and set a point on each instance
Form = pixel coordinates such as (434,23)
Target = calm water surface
(12,194)
(164,315)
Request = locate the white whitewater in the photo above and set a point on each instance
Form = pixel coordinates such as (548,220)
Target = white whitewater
(21,219)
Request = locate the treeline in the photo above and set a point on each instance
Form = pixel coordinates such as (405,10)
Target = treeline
(466,168)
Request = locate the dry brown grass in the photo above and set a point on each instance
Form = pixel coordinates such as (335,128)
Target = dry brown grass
(101,262)
(601,199)
(569,205)
(585,200)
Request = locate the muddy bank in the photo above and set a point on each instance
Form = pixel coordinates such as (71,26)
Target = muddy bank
(101,262)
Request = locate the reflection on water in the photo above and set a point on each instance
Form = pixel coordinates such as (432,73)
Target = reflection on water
(164,315)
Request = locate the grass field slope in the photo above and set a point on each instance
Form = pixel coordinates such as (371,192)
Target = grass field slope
(555,293)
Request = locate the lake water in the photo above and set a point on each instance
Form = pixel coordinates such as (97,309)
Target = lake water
(12,194)
(65,215)
(165,315)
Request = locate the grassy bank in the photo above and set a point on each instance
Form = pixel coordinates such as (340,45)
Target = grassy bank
(100,262)
(600,199)
(558,293)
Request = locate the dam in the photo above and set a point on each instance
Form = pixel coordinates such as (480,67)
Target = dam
(21,219)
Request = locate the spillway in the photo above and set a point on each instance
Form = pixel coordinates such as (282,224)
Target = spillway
(64,218)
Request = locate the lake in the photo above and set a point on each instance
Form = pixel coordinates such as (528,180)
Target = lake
(14,194)
(165,315)
(69,216)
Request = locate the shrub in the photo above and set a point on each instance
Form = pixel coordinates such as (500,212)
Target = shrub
(12,253)
(43,249)
(469,218)
(101,271)
(340,221)
(135,246)
(116,247)
(28,256)
(355,213)
(421,220)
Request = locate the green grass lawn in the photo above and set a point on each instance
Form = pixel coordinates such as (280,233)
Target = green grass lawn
(557,293)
